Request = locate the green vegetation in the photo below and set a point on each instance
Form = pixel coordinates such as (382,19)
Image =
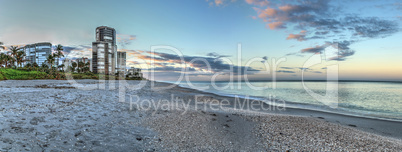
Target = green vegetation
(135,78)
(14,74)
(90,75)
(11,67)
(2,77)
(23,74)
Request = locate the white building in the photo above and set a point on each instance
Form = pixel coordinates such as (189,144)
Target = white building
(134,73)
(121,62)
(104,51)
(37,53)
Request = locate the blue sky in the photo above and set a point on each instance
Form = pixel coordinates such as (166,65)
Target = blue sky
(368,33)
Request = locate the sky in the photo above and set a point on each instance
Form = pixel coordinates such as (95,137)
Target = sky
(222,39)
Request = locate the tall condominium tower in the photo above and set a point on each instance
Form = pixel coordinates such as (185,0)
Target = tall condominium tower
(104,51)
(121,62)
(37,53)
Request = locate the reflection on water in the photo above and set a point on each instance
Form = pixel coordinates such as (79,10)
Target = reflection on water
(376,99)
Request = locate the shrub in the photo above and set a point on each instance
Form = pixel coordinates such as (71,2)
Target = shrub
(2,77)
(13,74)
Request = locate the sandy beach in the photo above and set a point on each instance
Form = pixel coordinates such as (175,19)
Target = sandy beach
(52,115)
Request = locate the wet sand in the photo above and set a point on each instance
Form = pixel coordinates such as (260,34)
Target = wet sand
(46,115)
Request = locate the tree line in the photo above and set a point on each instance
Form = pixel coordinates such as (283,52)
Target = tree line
(14,58)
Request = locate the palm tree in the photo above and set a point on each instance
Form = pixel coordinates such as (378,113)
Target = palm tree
(14,51)
(81,66)
(74,65)
(20,57)
(50,60)
(87,66)
(61,66)
(45,66)
(35,65)
(59,53)
(7,60)
(2,45)
(2,59)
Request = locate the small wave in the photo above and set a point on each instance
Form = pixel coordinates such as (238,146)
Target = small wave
(343,108)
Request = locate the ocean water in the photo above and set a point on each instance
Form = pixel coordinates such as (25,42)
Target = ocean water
(369,99)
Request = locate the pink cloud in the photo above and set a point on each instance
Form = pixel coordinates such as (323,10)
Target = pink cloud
(299,37)
(269,12)
(276,25)
(280,15)
(218,2)
(286,8)
(258,2)
(125,39)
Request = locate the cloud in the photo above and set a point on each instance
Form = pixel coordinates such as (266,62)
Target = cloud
(204,63)
(68,49)
(124,39)
(285,71)
(294,54)
(319,16)
(86,46)
(276,25)
(321,32)
(218,2)
(171,68)
(216,55)
(327,21)
(132,62)
(342,55)
(299,37)
(297,68)
(166,62)
(281,16)
(305,69)
(264,59)
(258,2)
(316,49)
(286,67)
(371,27)
(342,47)
(315,71)
(343,50)
(77,51)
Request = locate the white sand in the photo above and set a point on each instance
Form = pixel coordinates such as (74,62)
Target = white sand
(51,115)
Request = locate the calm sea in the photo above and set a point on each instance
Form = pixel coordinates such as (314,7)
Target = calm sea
(369,99)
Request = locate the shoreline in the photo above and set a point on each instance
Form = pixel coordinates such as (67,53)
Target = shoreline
(381,126)
(294,107)
(51,115)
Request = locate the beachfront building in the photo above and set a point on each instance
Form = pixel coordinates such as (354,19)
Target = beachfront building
(85,61)
(134,73)
(104,51)
(100,64)
(37,53)
(121,62)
